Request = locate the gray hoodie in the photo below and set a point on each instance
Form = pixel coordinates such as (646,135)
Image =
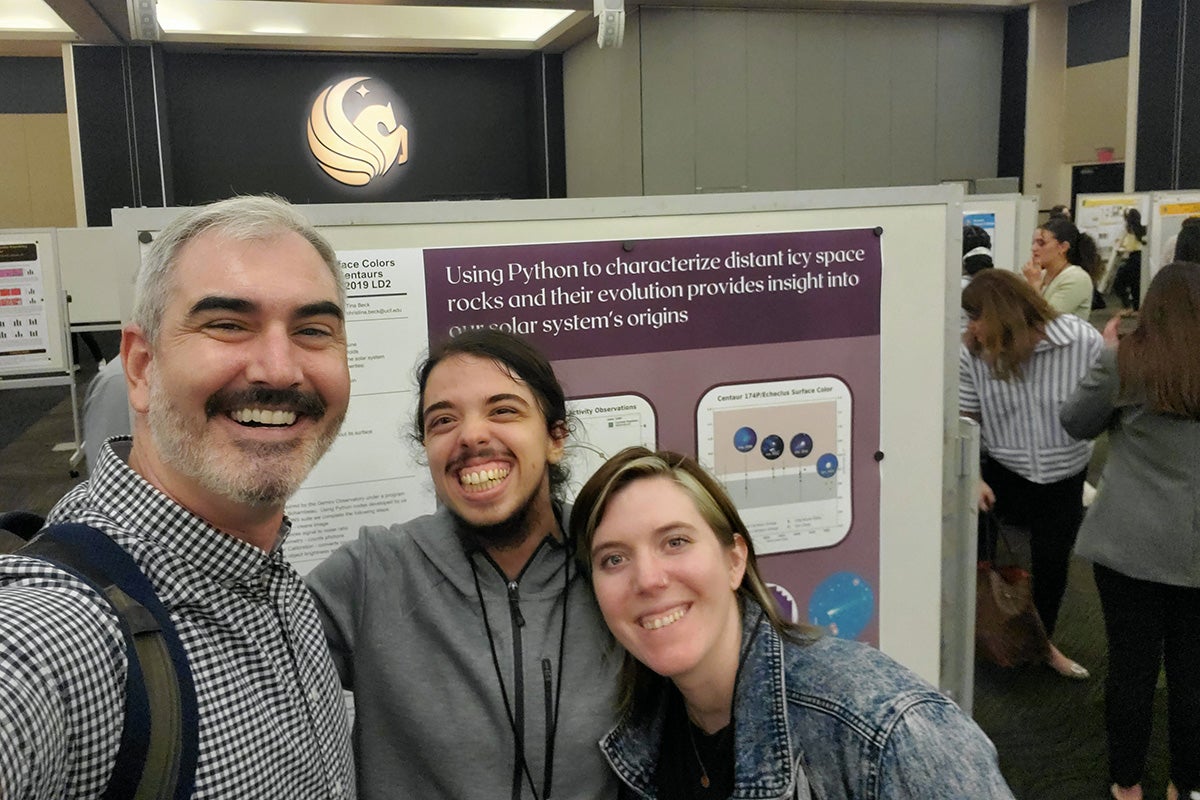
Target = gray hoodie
(403,618)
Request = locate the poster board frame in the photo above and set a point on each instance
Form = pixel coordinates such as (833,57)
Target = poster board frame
(918,403)
(52,306)
(1168,210)
(1098,215)
(1015,222)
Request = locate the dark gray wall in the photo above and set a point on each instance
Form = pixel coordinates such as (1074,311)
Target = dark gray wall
(32,86)
(1097,31)
(1168,150)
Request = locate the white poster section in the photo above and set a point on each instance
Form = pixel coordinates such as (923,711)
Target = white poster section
(34,345)
(96,273)
(1168,210)
(887,470)
(1103,217)
(1010,219)
(32,327)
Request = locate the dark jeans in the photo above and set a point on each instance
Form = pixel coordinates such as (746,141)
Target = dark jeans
(1146,622)
(1127,284)
(1052,512)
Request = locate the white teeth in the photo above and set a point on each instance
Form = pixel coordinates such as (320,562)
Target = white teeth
(482,479)
(264,416)
(662,622)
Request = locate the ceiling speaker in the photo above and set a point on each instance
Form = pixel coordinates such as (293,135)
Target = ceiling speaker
(143,20)
(611,17)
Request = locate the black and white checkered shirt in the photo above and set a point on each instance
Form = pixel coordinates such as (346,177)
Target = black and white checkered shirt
(272,719)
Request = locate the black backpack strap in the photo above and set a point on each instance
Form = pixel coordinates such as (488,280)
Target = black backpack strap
(160,737)
(10,542)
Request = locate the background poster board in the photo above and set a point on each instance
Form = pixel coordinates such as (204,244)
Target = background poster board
(1168,211)
(32,327)
(880,354)
(1103,217)
(96,273)
(1010,219)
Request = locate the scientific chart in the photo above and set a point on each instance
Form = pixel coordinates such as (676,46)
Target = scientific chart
(601,427)
(782,449)
(23,311)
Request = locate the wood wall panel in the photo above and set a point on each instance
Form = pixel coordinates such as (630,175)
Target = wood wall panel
(35,172)
(1096,110)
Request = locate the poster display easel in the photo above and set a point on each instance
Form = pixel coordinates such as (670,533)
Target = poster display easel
(1103,217)
(1010,219)
(785,339)
(1168,210)
(34,348)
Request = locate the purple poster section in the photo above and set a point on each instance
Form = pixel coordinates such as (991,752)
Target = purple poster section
(671,319)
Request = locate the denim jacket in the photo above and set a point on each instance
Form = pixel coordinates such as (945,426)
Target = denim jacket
(824,720)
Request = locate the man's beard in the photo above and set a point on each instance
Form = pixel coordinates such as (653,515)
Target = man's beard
(261,474)
(507,534)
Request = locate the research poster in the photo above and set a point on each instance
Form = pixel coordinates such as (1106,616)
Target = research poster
(24,325)
(756,353)
(982,219)
(1104,218)
(1168,217)
(371,475)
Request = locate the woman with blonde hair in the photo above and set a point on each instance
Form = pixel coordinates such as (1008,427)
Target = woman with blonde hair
(1019,361)
(720,697)
(1142,532)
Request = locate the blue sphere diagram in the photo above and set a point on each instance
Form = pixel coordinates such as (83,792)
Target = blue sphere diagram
(744,439)
(772,447)
(843,604)
(802,445)
(827,465)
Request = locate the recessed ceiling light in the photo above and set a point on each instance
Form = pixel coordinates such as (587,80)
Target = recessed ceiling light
(226,18)
(30,15)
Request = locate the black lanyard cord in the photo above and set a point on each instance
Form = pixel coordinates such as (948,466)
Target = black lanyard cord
(518,738)
(562,641)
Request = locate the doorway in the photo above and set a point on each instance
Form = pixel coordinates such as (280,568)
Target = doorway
(1097,179)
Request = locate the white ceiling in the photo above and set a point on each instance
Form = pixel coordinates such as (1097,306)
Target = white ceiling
(494,27)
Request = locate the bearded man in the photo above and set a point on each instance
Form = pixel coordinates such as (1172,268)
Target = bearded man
(235,363)
(479,662)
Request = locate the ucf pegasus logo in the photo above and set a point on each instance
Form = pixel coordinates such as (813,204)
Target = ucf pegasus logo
(359,150)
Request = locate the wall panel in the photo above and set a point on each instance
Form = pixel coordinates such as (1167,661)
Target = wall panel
(876,100)
(668,102)
(821,100)
(868,110)
(51,192)
(1096,110)
(970,51)
(720,90)
(602,117)
(35,172)
(771,109)
(913,143)
(14,173)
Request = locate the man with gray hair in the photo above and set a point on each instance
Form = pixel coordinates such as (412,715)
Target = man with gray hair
(236,367)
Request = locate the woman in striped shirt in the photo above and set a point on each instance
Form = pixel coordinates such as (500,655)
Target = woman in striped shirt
(1020,360)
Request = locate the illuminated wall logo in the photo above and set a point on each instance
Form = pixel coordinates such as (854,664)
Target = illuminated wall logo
(359,150)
